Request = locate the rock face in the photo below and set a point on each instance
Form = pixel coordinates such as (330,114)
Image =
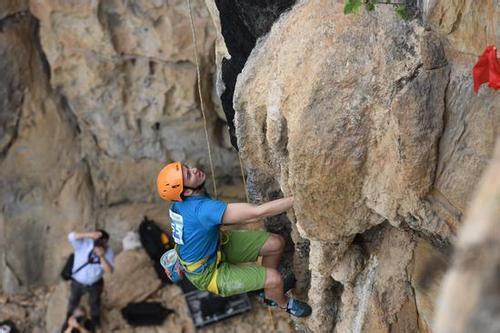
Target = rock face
(368,120)
(467,24)
(240,23)
(278,130)
(470,298)
(95,97)
(28,310)
(122,286)
(371,123)
(45,191)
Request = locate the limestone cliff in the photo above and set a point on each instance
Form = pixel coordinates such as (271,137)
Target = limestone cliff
(470,297)
(96,96)
(368,120)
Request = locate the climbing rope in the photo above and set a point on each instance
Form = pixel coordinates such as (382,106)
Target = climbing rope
(243,177)
(195,42)
(201,95)
(193,32)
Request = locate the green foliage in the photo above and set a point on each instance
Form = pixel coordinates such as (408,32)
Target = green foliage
(352,6)
(402,12)
(370,5)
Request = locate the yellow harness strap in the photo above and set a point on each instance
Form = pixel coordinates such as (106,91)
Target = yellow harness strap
(191,267)
(212,285)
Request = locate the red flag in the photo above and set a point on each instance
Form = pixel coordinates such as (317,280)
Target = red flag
(487,69)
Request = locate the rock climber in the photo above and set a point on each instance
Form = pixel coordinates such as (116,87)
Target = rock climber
(212,259)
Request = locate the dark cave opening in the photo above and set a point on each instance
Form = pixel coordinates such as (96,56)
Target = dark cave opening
(242,23)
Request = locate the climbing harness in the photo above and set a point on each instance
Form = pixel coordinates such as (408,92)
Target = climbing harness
(193,267)
(175,267)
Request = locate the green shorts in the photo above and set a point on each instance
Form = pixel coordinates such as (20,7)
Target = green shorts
(239,246)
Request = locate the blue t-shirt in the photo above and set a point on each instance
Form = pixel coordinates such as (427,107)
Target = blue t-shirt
(195,226)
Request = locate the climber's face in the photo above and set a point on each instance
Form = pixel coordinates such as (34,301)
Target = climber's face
(193,178)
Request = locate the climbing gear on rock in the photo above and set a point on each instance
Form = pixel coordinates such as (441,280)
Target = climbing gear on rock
(294,307)
(169,182)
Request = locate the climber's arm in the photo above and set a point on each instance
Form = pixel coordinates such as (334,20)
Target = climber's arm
(244,212)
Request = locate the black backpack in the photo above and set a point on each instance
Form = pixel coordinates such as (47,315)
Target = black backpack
(67,271)
(155,242)
(145,313)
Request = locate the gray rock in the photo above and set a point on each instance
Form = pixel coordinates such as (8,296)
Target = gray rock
(470,297)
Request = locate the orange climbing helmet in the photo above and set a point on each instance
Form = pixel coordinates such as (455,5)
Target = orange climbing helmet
(169,182)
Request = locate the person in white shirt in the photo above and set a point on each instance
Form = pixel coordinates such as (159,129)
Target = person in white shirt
(92,258)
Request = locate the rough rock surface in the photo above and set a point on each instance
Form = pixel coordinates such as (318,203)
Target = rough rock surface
(368,119)
(470,298)
(467,24)
(45,190)
(122,286)
(239,23)
(95,97)
(28,310)
(40,312)
(56,305)
(278,129)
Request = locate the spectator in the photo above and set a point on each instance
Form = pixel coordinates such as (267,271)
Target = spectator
(93,253)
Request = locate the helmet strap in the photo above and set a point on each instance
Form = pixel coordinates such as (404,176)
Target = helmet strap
(195,188)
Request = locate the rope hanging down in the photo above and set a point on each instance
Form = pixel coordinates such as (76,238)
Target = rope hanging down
(201,96)
(195,41)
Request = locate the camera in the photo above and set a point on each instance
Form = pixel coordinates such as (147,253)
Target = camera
(100,242)
(80,320)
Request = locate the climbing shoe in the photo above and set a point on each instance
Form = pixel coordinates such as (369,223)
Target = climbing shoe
(297,308)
